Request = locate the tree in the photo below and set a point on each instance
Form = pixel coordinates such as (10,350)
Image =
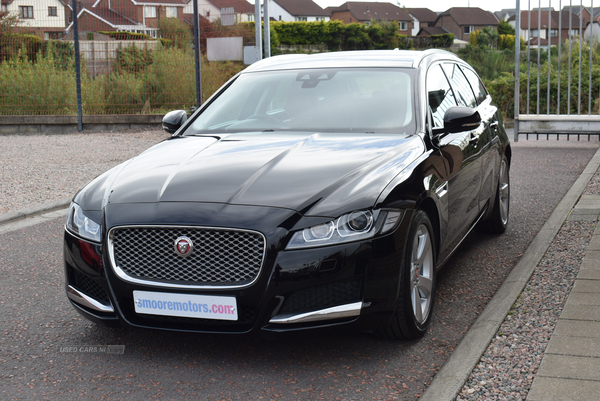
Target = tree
(504,28)
(487,37)
(8,21)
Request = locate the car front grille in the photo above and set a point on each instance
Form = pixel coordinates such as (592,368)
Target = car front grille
(220,257)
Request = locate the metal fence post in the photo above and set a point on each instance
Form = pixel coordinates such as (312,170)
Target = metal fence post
(258,28)
(197,56)
(77,68)
(267,29)
(517,67)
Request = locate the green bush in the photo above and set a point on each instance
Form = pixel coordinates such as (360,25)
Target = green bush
(12,44)
(132,60)
(177,33)
(36,88)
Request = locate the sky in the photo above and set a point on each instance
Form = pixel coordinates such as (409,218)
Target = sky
(443,5)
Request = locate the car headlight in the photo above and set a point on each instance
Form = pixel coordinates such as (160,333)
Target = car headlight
(78,223)
(357,225)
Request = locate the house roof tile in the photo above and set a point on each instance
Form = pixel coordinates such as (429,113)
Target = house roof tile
(366,11)
(240,6)
(304,8)
(423,14)
(554,20)
(432,30)
(470,16)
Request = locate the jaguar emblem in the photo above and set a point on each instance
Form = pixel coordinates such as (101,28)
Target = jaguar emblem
(184,246)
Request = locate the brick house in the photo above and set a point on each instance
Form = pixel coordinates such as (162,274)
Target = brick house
(537,35)
(422,18)
(461,21)
(364,12)
(127,15)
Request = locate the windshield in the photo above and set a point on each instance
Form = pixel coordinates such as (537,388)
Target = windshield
(328,100)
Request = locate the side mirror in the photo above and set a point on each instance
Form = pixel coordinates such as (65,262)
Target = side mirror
(173,120)
(460,119)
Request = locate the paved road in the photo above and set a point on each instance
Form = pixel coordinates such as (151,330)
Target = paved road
(37,323)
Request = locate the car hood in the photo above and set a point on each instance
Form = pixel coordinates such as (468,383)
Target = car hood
(314,174)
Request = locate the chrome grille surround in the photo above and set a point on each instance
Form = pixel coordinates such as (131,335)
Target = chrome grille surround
(222,258)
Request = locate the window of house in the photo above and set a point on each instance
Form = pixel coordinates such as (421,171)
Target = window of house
(535,33)
(403,25)
(574,32)
(301,19)
(149,12)
(26,12)
(52,12)
(171,12)
(553,33)
(468,29)
(251,17)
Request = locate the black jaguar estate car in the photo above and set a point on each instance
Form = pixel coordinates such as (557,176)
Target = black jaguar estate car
(309,191)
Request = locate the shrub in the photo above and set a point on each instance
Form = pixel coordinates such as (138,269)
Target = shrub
(36,88)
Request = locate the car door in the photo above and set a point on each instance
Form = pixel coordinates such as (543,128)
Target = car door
(491,154)
(462,153)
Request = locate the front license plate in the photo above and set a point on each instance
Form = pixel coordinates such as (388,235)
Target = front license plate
(185,305)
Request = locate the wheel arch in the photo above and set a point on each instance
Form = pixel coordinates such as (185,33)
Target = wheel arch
(429,207)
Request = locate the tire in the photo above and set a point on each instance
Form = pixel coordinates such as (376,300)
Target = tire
(498,221)
(417,284)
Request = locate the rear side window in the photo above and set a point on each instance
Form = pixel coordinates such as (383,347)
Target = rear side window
(462,89)
(478,88)
(440,95)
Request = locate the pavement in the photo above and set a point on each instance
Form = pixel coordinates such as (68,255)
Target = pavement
(570,368)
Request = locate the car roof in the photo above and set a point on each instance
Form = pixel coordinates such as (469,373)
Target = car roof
(360,58)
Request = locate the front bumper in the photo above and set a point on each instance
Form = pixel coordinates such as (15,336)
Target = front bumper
(350,284)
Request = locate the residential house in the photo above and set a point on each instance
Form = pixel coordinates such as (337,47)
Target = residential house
(44,18)
(297,10)
(461,21)
(364,12)
(422,18)
(233,10)
(505,14)
(536,31)
(127,15)
(592,30)
(432,30)
(585,13)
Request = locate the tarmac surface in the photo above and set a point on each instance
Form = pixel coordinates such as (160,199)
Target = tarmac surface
(571,364)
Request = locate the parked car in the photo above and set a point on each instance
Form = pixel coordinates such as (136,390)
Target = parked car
(310,191)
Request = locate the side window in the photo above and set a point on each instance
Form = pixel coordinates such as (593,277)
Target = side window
(478,88)
(440,95)
(462,89)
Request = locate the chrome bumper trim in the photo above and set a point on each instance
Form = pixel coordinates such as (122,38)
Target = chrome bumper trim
(336,312)
(87,301)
